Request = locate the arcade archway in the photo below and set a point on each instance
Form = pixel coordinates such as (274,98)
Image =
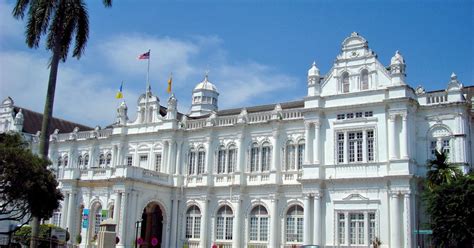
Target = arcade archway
(151,231)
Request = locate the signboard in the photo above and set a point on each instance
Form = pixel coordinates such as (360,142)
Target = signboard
(104,214)
(85,218)
(423,232)
(59,234)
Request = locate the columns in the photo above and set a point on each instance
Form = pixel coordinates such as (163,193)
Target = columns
(307,235)
(407,221)
(394,220)
(117,206)
(317,219)
(174,223)
(177,170)
(274,235)
(364,146)
(316,143)
(236,231)
(307,153)
(391,137)
(123,219)
(404,139)
(208,160)
(169,157)
(204,223)
(71,213)
(275,150)
(240,154)
(346,225)
(64,215)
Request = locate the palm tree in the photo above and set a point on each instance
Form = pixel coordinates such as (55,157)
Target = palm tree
(440,171)
(61,21)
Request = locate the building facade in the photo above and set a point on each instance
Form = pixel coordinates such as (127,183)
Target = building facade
(339,168)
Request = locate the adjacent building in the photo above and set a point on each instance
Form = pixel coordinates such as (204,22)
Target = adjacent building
(338,168)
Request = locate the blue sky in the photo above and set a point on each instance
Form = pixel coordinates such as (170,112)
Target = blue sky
(257,52)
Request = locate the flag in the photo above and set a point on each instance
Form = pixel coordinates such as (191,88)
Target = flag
(119,93)
(170,80)
(145,55)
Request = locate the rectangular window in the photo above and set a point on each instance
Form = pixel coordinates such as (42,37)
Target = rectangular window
(341,228)
(266,158)
(158,162)
(301,148)
(200,169)
(433,148)
(371,227)
(340,147)
(263,228)
(228,228)
(359,146)
(350,115)
(221,161)
(220,228)
(56,218)
(368,113)
(232,160)
(290,223)
(341,116)
(446,148)
(356,229)
(254,159)
(253,228)
(370,145)
(129,160)
(197,227)
(299,227)
(143,161)
(355,146)
(192,163)
(358,114)
(351,151)
(189,227)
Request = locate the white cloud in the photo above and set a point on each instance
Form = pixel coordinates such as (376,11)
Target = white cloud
(85,92)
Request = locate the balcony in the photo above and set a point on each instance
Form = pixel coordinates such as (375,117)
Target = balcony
(107,173)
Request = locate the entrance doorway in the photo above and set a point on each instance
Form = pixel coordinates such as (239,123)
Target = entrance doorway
(151,231)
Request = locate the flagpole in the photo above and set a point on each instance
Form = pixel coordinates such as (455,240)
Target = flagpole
(147,87)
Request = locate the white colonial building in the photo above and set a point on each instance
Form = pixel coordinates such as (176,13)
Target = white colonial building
(338,168)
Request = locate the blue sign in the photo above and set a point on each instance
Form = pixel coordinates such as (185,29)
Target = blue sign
(85,218)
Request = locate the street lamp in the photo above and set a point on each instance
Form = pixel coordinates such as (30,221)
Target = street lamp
(137,225)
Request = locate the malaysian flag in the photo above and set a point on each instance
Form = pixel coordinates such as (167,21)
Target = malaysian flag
(145,55)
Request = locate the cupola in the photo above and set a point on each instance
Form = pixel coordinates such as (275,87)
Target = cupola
(397,69)
(313,80)
(204,99)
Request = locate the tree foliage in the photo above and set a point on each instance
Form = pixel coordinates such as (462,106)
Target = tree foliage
(27,187)
(23,235)
(449,200)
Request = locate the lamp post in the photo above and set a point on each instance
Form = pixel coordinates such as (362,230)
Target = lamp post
(137,225)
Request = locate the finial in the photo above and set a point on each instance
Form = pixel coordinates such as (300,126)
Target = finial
(354,34)
(206,76)
(314,63)
(453,76)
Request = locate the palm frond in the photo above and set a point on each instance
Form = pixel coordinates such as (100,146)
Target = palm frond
(82,28)
(19,9)
(107,3)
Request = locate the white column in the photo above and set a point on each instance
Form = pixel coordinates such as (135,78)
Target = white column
(394,221)
(274,235)
(307,150)
(391,137)
(366,228)
(209,153)
(404,140)
(236,232)
(346,147)
(275,151)
(71,212)
(169,158)
(317,219)
(123,219)
(364,146)
(204,223)
(117,205)
(307,234)
(174,222)
(346,225)
(64,214)
(316,143)
(240,154)
(179,145)
(407,221)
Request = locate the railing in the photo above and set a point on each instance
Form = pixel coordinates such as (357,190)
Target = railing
(193,243)
(291,175)
(292,114)
(256,178)
(226,121)
(356,170)
(195,124)
(223,244)
(100,134)
(257,245)
(259,117)
(436,97)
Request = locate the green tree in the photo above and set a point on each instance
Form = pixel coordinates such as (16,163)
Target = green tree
(62,21)
(27,187)
(451,213)
(23,235)
(440,171)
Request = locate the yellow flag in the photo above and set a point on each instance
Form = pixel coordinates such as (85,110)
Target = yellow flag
(170,80)
(119,94)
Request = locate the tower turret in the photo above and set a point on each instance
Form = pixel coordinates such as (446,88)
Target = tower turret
(314,79)
(204,99)
(397,69)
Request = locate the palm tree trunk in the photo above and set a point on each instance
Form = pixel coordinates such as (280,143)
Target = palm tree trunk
(44,137)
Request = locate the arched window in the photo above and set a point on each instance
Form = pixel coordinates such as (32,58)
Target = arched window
(80,161)
(60,162)
(345,82)
(101,159)
(108,159)
(65,160)
(364,79)
(266,156)
(254,157)
(294,224)
(231,159)
(300,154)
(258,224)
(97,217)
(290,156)
(221,160)
(201,159)
(224,222)
(193,222)
(192,162)
(86,160)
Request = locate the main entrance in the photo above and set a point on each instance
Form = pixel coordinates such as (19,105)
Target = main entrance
(151,226)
